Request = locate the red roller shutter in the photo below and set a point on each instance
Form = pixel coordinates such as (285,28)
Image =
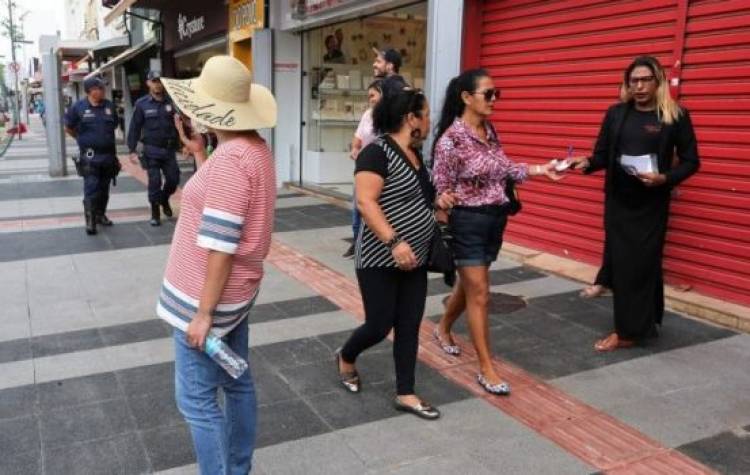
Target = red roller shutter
(559,65)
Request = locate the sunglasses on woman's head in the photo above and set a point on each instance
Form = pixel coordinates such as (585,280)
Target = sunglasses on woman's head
(489,94)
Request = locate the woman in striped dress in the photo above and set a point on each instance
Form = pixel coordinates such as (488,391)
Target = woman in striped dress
(395,197)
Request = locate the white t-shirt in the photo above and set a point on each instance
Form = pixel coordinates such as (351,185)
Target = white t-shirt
(364,129)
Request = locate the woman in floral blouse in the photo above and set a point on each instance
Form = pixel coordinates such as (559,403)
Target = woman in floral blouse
(470,163)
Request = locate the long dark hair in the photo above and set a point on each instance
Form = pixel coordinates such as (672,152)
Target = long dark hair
(453,104)
(395,104)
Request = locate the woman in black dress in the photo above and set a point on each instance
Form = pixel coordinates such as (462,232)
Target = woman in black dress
(636,144)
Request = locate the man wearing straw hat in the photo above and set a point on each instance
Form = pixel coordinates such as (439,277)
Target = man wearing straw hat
(215,264)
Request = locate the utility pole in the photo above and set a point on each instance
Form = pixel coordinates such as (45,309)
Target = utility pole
(16,113)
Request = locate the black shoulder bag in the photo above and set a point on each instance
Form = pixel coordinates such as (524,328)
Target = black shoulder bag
(514,202)
(440,259)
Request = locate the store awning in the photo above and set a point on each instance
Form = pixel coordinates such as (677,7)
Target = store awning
(112,43)
(126,55)
(73,50)
(75,75)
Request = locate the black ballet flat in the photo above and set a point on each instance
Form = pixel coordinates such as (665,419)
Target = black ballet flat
(348,379)
(423,410)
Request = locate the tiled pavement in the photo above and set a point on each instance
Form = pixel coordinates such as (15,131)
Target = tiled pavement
(86,370)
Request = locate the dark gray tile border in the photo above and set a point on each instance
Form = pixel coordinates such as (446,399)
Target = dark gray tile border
(141,380)
(135,332)
(63,241)
(294,353)
(86,423)
(19,435)
(435,285)
(155,409)
(59,395)
(168,447)
(50,345)
(61,188)
(122,454)
(727,453)
(17,402)
(80,340)
(27,462)
(566,326)
(287,421)
(341,409)
(72,215)
(15,350)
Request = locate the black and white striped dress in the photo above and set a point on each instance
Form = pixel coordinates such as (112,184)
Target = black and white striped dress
(403,202)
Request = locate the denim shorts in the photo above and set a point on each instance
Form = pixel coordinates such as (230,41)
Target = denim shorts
(477,234)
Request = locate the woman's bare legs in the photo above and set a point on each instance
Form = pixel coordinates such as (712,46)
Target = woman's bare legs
(454,307)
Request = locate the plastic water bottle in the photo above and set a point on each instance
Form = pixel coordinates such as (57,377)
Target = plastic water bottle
(225,357)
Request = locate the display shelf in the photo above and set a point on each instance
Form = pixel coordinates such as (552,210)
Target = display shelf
(341,92)
(337,123)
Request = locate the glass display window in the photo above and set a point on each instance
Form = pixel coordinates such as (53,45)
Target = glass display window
(339,62)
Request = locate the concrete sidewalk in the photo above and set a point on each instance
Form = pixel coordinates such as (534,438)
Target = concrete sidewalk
(86,369)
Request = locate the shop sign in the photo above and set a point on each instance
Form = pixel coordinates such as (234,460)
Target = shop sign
(187,28)
(245,14)
(302,8)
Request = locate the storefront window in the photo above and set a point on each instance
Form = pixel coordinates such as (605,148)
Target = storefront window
(339,63)
(189,63)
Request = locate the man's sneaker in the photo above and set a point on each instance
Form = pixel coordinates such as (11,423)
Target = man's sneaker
(349,252)
(103,220)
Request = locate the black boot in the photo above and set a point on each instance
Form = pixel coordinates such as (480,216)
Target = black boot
(166,207)
(101,208)
(88,211)
(155,215)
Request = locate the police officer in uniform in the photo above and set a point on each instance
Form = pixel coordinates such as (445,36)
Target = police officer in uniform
(153,125)
(92,122)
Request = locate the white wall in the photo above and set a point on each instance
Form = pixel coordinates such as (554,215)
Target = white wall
(286,85)
(75,20)
(444,37)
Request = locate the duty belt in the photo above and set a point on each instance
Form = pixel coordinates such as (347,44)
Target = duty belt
(91,152)
(170,144)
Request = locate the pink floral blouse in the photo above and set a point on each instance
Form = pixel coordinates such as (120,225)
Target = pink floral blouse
(475,171)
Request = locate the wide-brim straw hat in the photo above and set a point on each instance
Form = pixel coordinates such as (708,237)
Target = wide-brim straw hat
(224,97)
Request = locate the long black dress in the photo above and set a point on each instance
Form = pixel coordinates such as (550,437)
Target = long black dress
(635,216)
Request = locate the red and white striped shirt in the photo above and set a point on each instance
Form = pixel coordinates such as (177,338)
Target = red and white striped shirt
(227,206)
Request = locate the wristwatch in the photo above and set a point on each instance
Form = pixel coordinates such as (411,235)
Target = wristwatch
(393,241)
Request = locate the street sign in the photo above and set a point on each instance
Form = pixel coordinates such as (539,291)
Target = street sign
(15,67)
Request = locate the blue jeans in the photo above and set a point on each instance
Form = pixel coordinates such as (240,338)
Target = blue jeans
(224,439)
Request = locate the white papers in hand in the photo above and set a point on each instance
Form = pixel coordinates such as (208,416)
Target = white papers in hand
(635,164)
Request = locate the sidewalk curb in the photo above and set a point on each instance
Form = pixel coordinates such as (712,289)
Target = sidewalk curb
(703,307)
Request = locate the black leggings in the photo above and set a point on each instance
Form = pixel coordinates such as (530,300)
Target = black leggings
(392,299)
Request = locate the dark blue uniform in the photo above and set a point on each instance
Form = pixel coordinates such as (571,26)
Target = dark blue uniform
(95,133)
(153,124)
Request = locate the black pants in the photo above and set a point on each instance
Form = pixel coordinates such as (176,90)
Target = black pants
(171,170)
(393,299)
(96,183)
